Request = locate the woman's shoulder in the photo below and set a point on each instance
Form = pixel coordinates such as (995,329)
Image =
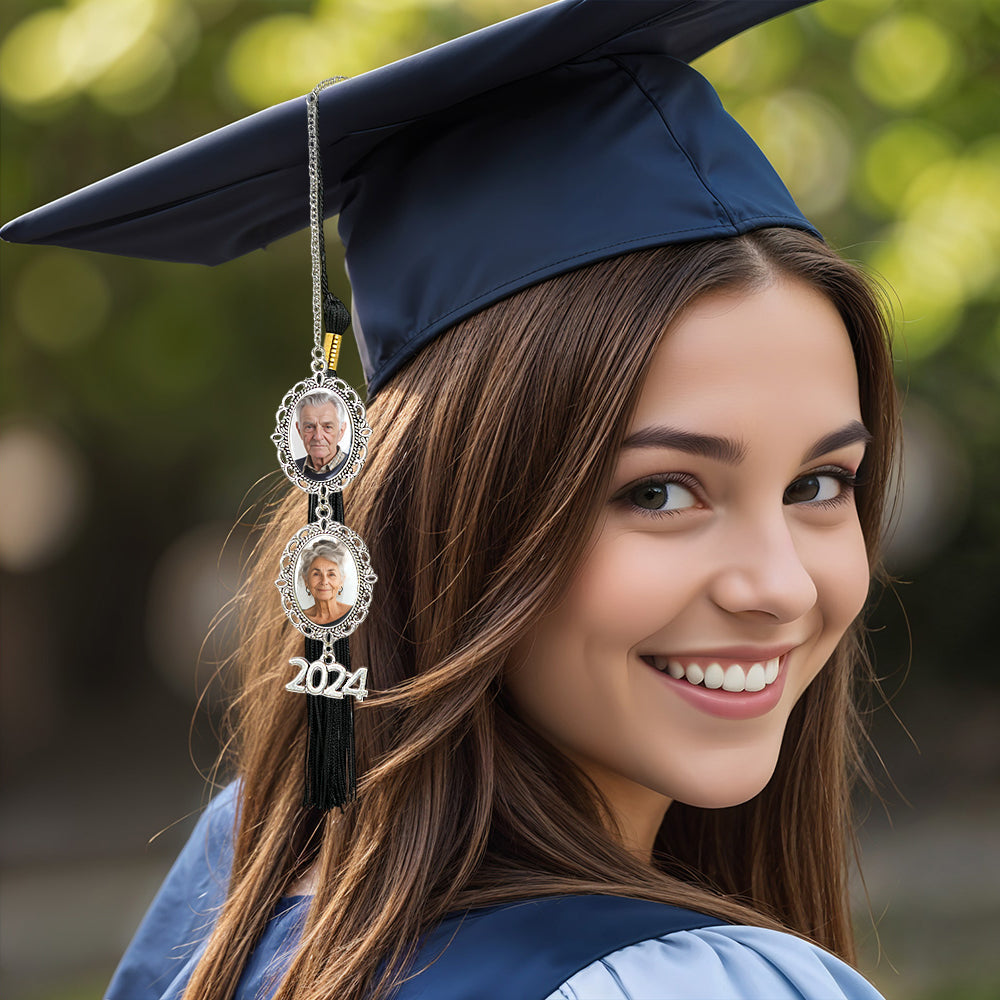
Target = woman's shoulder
(199,876)
(724,962)
(209,849)
(204,862)
(618,948)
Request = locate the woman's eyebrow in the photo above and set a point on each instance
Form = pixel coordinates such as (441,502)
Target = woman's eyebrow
(850,433)
(722,449)
(732,451)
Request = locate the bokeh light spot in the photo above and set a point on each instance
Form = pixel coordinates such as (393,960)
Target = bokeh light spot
(96,33)
(137,80)
(929,287)
(125,45)
(755,61)
(848,17)
(898,155)
(178,26)
(61,300)
(193,580)
(973,180)
(903,60)
(29,73)
(954,204)
(281,57)
(42,495)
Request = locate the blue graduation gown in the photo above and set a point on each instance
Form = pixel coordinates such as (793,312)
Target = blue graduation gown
(562,948)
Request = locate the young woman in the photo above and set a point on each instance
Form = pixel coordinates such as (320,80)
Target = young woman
(712,497)
(624,508)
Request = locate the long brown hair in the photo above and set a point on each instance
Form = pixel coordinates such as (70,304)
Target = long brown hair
(476,502)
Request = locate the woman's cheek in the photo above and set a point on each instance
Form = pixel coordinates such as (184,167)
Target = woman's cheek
(633,582)
(843,578)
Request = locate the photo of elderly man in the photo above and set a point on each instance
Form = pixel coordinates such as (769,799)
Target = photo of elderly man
(322,424)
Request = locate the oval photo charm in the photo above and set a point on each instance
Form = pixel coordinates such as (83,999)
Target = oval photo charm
(325,580)
(321,434)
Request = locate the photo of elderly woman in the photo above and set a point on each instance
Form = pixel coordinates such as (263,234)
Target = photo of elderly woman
(326,580)
(321,443)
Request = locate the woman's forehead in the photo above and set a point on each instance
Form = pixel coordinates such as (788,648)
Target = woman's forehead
(322,562)
(781,352)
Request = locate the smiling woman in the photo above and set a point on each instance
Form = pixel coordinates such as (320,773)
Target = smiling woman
(710,502)
(726,567)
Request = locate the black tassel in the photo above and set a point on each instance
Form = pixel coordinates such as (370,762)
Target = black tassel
(331,779)
(336,318)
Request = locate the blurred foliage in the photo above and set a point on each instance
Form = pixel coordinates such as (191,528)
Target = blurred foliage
(882,116)
(974,988)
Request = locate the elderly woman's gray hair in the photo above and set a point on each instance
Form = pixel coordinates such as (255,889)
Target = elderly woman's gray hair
(322,549)
(320,397)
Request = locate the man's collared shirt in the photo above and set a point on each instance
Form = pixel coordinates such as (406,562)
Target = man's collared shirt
(330,467)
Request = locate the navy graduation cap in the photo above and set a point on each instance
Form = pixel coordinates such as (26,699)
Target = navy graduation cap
(571,133)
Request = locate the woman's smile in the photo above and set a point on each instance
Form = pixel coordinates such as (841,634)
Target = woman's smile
(725,687)
(727,565)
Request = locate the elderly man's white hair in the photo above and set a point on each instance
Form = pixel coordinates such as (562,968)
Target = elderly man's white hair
(320,397)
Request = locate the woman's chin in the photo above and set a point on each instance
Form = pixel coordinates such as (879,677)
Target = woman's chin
(725,780)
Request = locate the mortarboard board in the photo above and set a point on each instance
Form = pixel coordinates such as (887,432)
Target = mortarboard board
(462,174)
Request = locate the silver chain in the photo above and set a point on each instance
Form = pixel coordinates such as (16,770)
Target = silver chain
(323,511)
(318,363)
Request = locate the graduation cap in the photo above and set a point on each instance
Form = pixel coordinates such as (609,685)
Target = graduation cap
(569,134)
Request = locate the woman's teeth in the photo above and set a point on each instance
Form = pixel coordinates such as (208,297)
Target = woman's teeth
(736,677)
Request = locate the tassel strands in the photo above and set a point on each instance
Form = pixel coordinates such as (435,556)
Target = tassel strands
(330,776)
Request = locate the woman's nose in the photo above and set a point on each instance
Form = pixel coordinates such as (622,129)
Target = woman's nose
(762,571)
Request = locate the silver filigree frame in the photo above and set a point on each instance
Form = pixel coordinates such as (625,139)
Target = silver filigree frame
(360,432)
(286,580)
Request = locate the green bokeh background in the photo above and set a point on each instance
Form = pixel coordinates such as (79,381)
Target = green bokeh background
(143,395)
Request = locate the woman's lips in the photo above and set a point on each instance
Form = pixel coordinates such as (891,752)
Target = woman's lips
(724,686)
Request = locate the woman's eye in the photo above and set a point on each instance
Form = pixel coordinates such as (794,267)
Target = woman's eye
(658,496)
(817,488)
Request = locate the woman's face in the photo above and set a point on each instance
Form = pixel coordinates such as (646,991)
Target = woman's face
(323,579)
(726,565)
